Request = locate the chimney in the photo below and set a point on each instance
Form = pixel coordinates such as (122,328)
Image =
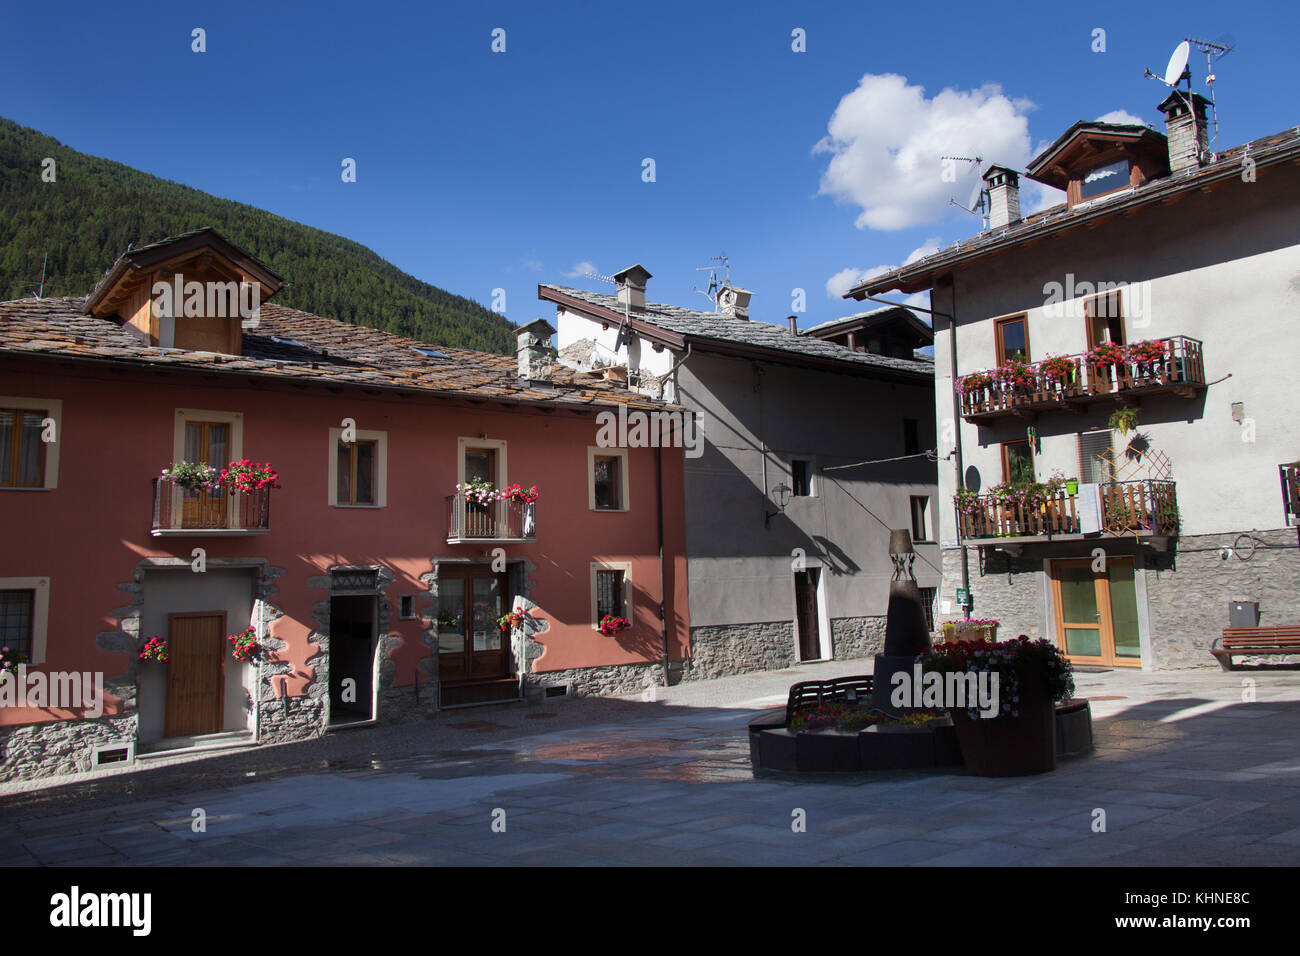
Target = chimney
(1186,130)
(1004,196)
(794,325)
(733,302)
(631,286)
(534,351)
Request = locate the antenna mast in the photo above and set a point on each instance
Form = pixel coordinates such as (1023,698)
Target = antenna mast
(1212,50)
(711,293)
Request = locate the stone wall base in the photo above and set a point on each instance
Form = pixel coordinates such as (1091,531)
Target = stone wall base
(1188,588)
(598,681)
(57,747)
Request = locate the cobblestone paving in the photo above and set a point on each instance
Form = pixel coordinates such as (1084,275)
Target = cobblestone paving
(1185,770)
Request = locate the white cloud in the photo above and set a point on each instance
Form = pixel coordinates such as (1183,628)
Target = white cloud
(1121,116)
(885,140)
(580,269)
(846,279)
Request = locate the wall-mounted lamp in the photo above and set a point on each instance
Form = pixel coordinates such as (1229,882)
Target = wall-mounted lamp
(782,496)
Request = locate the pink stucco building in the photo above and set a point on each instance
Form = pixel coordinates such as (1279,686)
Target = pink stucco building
(372,587)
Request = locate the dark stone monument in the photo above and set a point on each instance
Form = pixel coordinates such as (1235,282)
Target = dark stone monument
(906,635)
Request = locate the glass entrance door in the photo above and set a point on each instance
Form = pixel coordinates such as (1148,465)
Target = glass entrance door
(1096,612)
(471,645)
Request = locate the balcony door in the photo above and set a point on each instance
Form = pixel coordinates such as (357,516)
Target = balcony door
(1096,612)
(471,645)
(206,443)
(480,519)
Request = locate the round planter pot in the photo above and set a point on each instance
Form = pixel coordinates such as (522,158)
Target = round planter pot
(1007,746)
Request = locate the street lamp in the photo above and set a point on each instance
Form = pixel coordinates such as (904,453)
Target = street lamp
(782,493)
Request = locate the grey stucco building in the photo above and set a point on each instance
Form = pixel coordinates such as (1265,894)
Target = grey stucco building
(1138,339)
(809,453)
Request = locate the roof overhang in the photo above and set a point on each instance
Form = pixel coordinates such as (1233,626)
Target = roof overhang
(1084,145)
(925,273)
(679,341)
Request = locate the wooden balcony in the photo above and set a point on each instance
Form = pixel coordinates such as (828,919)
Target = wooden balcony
(1181,372)
(500,521)
(180,511)
(1144,509)
(1290,475)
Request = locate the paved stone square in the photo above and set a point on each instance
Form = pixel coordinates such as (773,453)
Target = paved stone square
(1186,772)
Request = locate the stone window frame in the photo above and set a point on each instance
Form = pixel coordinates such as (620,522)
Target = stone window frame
(624,481)
(40,586)
(380,438)
(626,568)
(53,408)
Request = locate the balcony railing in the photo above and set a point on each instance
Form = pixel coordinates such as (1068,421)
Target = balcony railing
(1139,508)
(1290,475)
(179,510)
(497,521)
(1181,371)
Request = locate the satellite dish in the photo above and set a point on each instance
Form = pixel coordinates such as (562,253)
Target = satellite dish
(976,201)
(1177,63)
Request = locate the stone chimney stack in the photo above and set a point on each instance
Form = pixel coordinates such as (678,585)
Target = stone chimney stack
(1004,196)
(1186,130)
(733,302)
(631,287)
(534,351)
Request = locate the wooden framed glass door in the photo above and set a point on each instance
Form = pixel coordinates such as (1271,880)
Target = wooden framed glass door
(471,646)
(206,443)
(480,519)
(1096,612)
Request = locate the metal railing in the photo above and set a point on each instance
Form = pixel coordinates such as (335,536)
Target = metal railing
(182,509)
(496,521)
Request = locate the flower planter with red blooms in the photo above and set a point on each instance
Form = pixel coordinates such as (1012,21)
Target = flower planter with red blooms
(154,650)
(519,493)
(11,660)
(1148,358)
(1032,677)
(246,476)
(512,620)
(245,645)
(975,382)
(1016,376)
(611,624)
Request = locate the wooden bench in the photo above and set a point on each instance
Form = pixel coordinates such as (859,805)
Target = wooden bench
(1284,639)
(811,693)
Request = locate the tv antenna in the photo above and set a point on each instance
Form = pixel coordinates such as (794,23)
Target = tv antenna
(1212,52)
(1177,71)
(711,293)
(978,203)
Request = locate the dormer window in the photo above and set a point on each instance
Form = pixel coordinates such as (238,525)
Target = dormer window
(1104,179)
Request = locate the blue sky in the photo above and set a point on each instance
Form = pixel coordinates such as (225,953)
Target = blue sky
(479,170)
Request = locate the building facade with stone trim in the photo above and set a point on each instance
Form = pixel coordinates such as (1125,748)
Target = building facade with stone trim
(806,454)
(1162,291)
(372,587)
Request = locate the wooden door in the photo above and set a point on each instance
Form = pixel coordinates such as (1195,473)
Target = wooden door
(206,443)
(471,646)
(1096,612)
(196,673)
(805,602)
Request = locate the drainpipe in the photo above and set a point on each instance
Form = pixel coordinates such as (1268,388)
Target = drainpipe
(956,428)
(663,598)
